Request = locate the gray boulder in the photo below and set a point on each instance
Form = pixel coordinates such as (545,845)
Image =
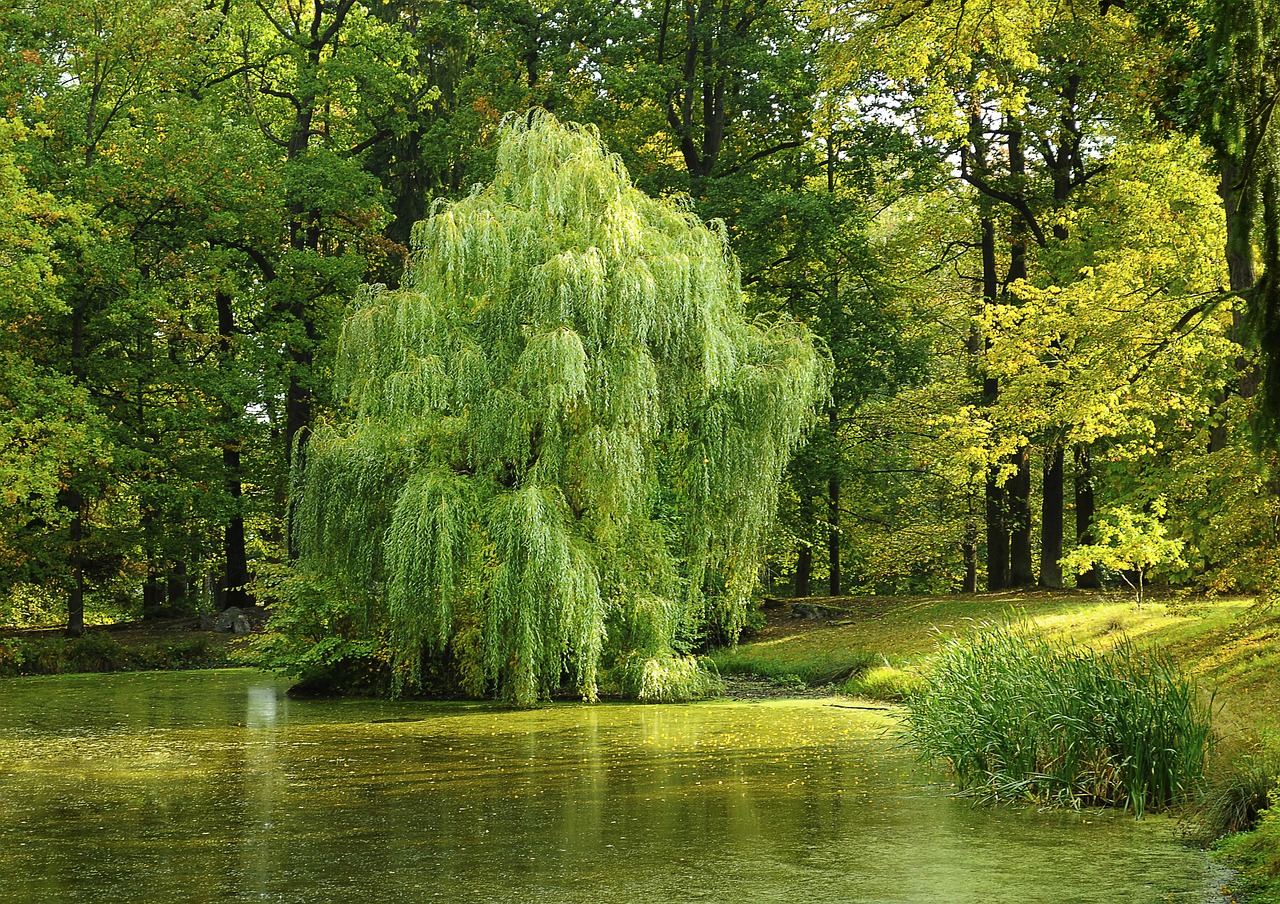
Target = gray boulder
(227,620)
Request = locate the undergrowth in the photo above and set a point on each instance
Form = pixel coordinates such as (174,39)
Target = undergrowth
(97,651)
(812,670)
(1256,858)
(663,679)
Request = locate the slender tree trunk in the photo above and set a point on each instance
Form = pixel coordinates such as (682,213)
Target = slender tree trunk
(969,552)
(1051,520)
(833,422)
(804,556)
(153,584)
(1021,570)
(74,499)
(969,545)
(833,534)
(996,506)
(1021,567)
(75,599)
(235,575)
(176,587)
(1085,511)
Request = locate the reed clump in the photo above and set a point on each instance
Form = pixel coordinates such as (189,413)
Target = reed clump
(1016,715)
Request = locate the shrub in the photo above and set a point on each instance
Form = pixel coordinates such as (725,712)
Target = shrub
(1256,857)
(883,682)
(1016,715)
(810,670)
(95,651)
(1235,796)
(664,679)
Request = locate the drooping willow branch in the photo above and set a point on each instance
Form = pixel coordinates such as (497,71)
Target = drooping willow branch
(563,439)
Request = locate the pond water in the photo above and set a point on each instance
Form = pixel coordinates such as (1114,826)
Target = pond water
(213,786)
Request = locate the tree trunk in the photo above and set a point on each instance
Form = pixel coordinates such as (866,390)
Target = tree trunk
(176,587)
(833,535)
(75,599)
(75,501)
(1051,520)
(1021,571)
(153,583)
(833,421)
(969,552)
(997,526)
(997,538)
(804,556)
(1085,512)
(153,593)
(1021,567)
(235,558)
(1237,208)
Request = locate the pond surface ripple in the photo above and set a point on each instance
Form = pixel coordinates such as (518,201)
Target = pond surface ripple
(214,786)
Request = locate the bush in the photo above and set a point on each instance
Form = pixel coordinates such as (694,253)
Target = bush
(97,651)
(1256,857)
(811,670)
(883,682)
(1016,716)
(664,679)
(1235,796)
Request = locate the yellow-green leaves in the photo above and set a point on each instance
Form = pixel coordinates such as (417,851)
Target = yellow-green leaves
(563,420)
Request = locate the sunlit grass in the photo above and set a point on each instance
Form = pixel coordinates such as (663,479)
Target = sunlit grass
(1230,644)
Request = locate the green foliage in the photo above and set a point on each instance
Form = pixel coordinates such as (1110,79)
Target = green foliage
(663,679)
(561,428)
(1128,541)
(884,682)
(322,633)
(1236,795)
(816,669)
(99,651)
(1256,857)
(1015,715)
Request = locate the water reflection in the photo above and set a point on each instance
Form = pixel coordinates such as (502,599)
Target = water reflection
(215,787)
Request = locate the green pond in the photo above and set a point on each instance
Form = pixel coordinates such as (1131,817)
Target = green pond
(214,786)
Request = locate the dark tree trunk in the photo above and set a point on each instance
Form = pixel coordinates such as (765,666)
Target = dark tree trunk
(1021,571)
(833,536)
(1051,520)
(74,500)
(153,583)
(997,538)
(1021,567)
(804,556)
(235,558)
(177,586)
(1238,209)
(833,517)
(969,551)
(153,595)
(996,507)
(1085,511)
(75,599)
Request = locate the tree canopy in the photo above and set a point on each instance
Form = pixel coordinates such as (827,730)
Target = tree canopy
(1039,242)
(565,437)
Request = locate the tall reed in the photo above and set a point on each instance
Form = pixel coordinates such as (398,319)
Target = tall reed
(1014,714)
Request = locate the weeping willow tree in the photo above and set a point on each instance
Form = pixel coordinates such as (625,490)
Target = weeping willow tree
(563,439)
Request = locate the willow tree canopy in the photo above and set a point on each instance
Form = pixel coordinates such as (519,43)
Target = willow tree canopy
(563,438)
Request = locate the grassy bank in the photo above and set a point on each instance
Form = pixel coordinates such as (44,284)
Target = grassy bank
(1231,646)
